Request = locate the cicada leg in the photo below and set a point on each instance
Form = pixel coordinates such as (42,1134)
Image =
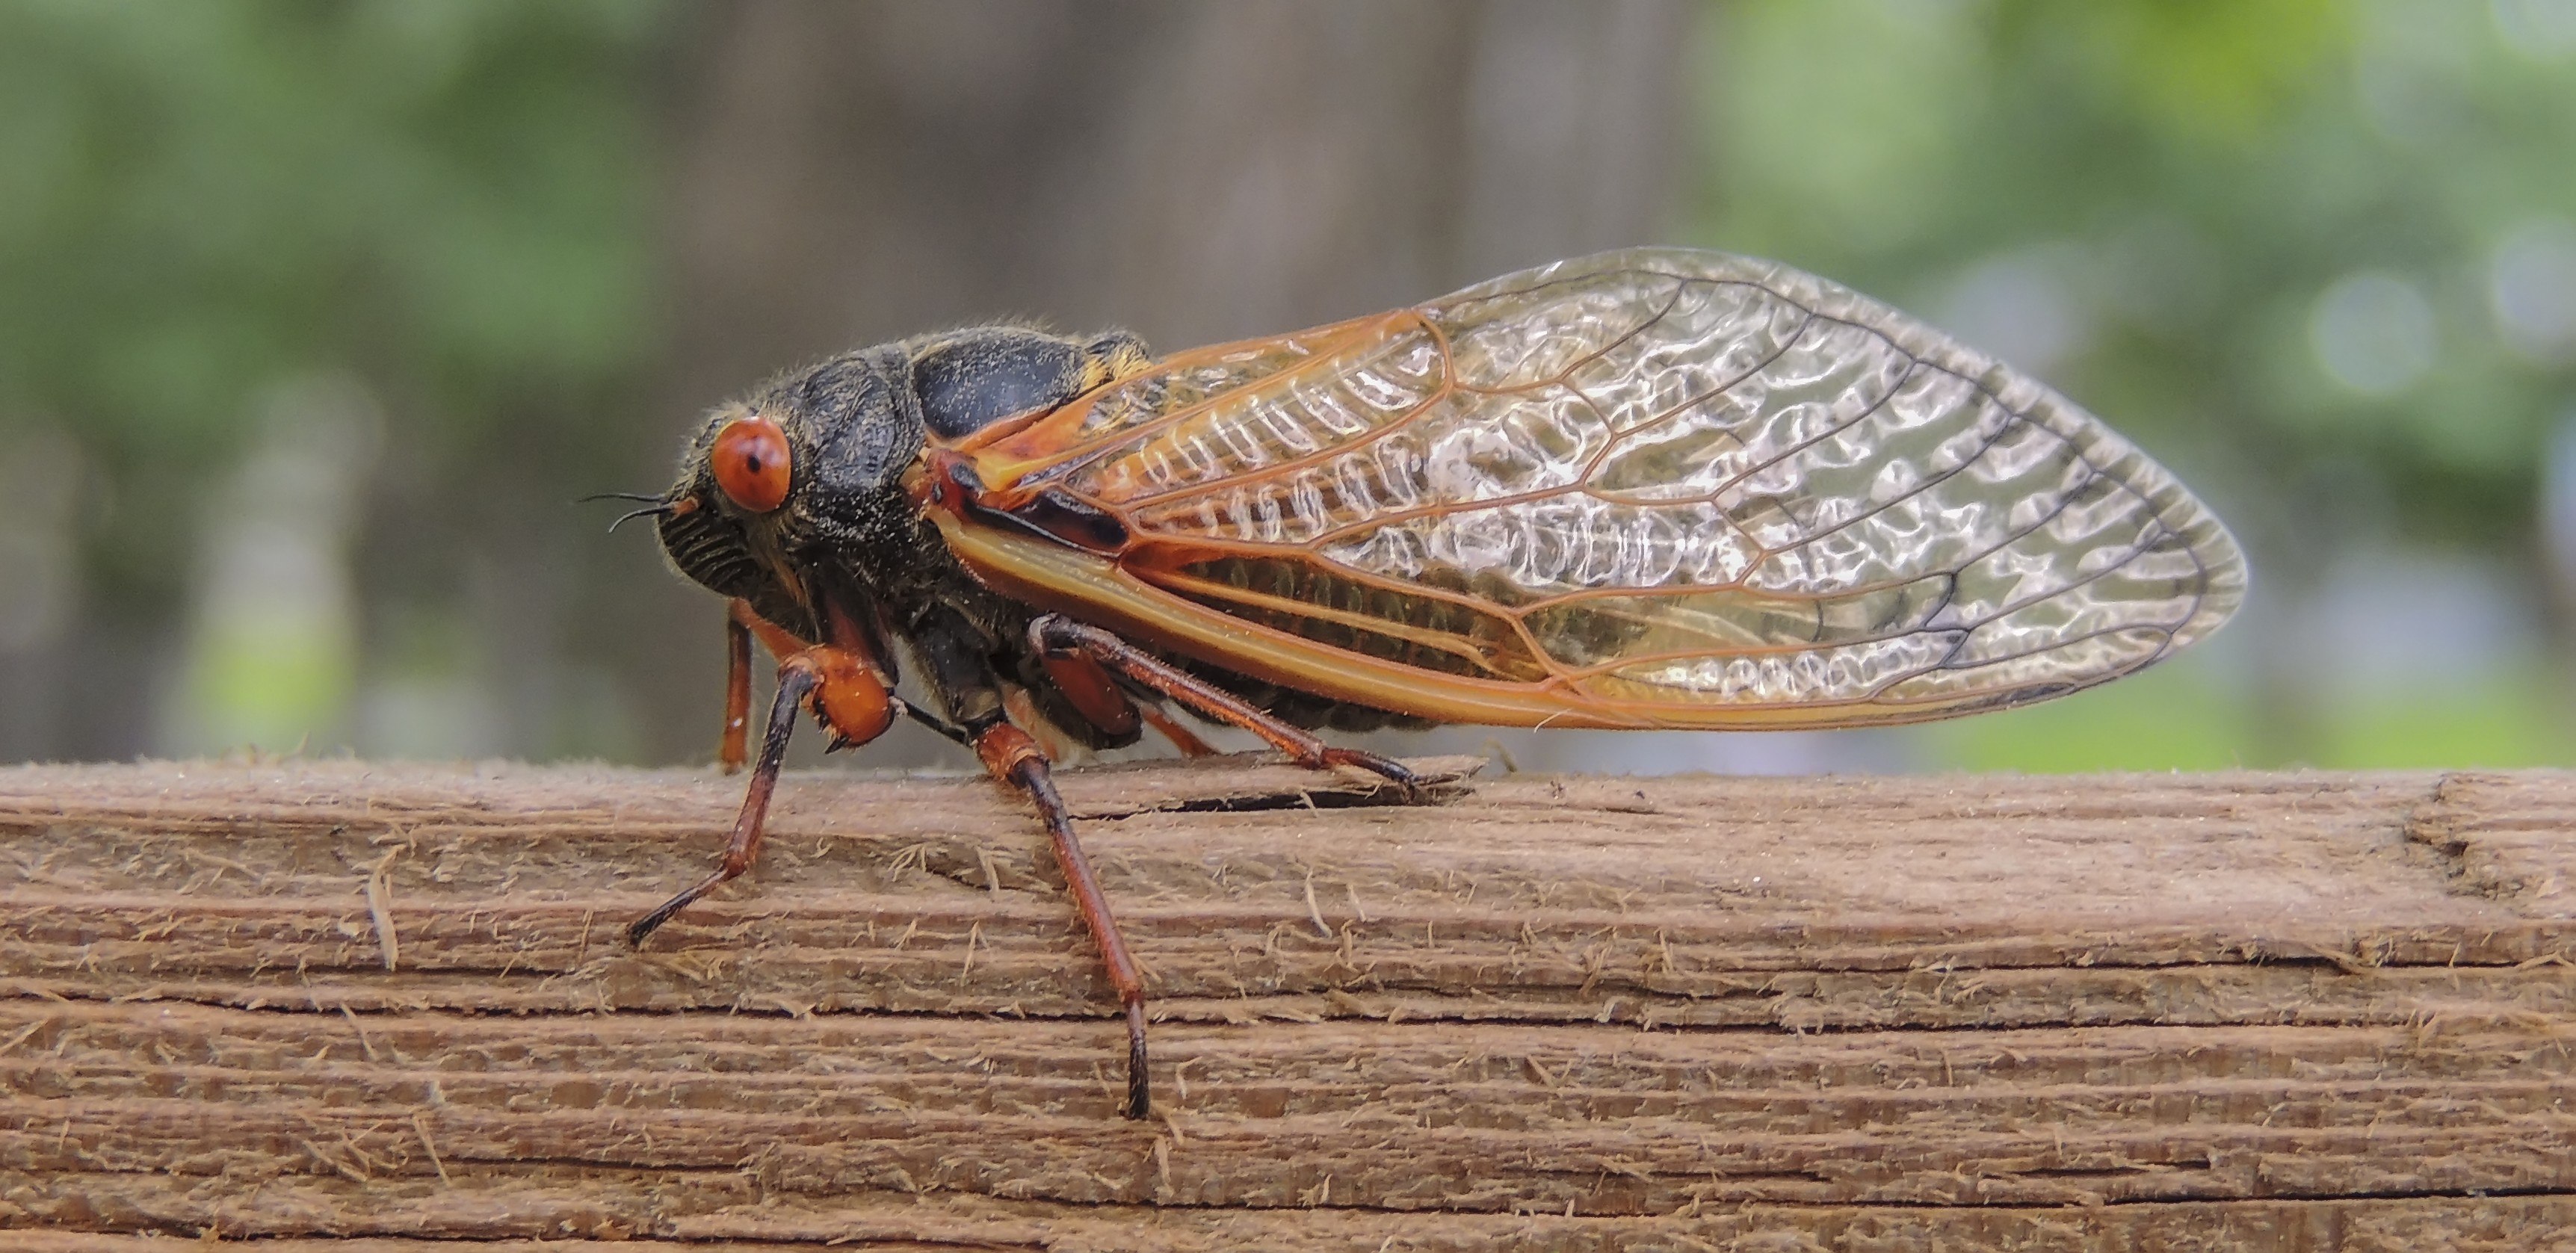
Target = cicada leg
(1092,693)
(732,748)
(1087,687)
(1184,740)
(1053,633)
(742,623)
(851,700)
(1014,758)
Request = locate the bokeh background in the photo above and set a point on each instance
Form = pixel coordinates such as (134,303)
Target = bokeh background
(315,317)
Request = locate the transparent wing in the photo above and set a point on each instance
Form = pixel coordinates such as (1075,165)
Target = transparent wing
(1669,487)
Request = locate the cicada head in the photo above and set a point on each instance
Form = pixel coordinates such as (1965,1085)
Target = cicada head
(799,475)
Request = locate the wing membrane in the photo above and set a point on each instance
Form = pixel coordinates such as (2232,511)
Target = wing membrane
(1648,488)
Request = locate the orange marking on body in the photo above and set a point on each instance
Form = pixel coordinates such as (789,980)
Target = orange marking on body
(850,696)
(1183,739)
(1090,691)
(1003,748)
(781,643)
(1022,709)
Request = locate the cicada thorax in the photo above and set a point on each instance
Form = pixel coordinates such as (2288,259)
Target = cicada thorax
(966,380)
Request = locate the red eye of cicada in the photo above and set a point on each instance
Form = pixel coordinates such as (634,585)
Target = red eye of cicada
(750,459)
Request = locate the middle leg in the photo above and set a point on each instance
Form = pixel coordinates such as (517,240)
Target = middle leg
(957,657)
(1012,757)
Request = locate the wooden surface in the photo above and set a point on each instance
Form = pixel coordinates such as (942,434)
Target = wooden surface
(329,1001)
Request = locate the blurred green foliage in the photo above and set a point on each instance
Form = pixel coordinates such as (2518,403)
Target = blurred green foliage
(2171,718)
(448,197)
(2275,236)
(2213,165)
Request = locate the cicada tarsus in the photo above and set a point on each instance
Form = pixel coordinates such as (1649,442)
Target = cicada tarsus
(1657,488)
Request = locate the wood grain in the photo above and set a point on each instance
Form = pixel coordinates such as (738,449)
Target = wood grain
(329,1000)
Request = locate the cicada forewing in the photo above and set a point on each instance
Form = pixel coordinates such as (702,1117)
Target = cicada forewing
(1653,488)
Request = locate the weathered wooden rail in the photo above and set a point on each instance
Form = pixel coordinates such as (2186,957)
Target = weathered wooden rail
(331,1001)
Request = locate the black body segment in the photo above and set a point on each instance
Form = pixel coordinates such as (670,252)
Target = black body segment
(967,380)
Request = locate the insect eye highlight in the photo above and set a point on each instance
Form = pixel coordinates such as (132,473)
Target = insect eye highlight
(751,463)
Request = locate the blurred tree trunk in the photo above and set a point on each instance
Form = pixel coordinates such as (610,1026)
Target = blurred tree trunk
(850,173)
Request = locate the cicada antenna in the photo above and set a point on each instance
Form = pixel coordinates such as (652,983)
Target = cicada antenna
(654,507)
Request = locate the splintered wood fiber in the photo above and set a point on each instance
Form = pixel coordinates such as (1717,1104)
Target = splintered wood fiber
(343,1005)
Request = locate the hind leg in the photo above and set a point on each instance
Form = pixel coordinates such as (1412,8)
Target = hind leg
(1054,634)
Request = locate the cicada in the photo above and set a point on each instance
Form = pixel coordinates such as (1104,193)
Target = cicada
(1656,488)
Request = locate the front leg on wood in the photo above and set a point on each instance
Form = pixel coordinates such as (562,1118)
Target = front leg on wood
(794,684)
(849,698)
